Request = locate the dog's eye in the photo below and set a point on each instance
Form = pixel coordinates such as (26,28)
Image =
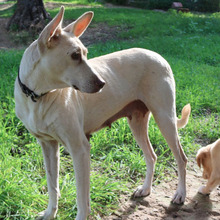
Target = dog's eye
(76,56)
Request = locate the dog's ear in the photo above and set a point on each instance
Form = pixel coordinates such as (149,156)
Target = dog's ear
(200,158)
(79,26)
(52,29)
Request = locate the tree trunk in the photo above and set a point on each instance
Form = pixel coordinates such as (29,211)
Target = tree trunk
(29,14)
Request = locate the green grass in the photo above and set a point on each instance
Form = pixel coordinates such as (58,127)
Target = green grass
(189,42)
(7,12)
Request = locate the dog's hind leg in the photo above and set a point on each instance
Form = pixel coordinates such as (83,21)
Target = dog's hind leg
(51,159)
(166,120)
(139,127)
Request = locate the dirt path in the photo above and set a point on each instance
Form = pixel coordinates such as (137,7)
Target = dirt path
(158,206)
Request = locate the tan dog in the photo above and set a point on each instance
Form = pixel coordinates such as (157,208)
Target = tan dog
(209,158)
(138,81)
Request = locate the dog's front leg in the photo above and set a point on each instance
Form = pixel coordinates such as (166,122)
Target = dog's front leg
(80,152)
(51,159)
(213,181)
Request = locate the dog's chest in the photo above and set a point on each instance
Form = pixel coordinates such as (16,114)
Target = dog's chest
(33,120)
(34,123)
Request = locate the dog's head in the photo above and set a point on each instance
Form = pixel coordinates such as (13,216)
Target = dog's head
(60,58)
(203,159)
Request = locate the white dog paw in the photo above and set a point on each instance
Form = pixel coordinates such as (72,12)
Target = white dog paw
(203,191)
(141,192)
(45,215)
(179,198)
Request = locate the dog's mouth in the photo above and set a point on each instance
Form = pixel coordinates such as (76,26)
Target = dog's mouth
(75,87)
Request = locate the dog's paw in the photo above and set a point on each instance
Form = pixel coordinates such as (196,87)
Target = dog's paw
(141,192)
(179,198)
(41,216)
(202,190)
(46,215)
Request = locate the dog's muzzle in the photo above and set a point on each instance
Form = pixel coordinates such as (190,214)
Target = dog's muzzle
(92,87)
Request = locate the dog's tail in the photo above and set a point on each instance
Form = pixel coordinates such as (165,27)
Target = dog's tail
(181,123)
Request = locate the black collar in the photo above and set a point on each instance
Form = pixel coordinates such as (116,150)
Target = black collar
(27,91)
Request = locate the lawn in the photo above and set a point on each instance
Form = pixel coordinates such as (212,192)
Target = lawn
(189,42)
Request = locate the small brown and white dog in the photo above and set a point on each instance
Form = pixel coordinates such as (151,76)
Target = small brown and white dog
(209,158)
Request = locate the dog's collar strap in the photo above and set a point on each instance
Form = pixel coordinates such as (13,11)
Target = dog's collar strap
(27,91)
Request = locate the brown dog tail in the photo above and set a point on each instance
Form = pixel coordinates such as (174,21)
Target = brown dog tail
(181,123)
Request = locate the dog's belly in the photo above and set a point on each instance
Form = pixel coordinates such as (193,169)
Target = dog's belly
(135,106)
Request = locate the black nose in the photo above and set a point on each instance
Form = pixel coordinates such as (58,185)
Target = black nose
(98,85)
(101,84)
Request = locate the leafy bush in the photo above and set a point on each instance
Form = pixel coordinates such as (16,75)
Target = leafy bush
(160,4)
(207,5)
(196,5)
(119,2)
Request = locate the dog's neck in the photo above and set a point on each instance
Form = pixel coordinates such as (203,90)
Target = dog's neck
(28,84)
(28,92)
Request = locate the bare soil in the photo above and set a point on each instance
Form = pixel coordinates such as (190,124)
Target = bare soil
(157,205)
(18,40)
